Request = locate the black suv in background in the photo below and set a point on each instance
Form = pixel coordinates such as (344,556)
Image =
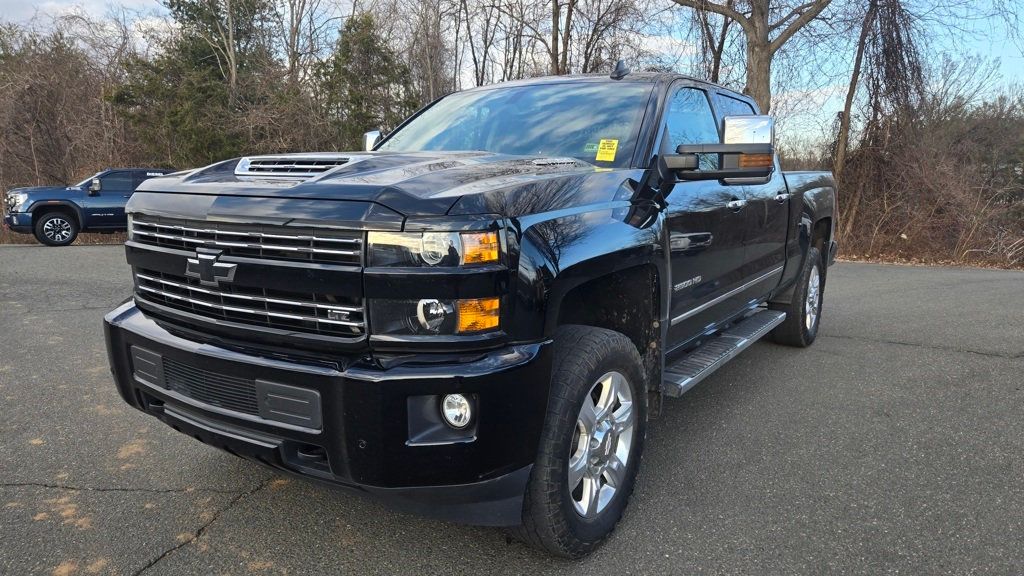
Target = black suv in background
(56,214)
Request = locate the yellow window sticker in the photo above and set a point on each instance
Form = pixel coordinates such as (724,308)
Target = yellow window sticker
(606,150)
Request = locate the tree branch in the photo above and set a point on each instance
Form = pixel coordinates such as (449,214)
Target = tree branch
(799,23)
(721,9)
(794,12)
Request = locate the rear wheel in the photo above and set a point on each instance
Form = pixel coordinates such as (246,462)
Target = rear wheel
(803,312)
(56,229)
(591,444)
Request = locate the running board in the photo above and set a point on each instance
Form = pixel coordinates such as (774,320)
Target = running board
(711,355)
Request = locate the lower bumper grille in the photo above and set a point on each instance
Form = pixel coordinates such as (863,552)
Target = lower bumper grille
(223,391)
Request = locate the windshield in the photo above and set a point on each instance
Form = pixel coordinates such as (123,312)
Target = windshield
(87,181)
(594,122)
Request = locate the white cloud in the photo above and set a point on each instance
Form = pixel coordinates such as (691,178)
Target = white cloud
(20,11)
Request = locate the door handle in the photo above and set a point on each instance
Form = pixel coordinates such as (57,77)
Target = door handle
(780,198)
(736,204)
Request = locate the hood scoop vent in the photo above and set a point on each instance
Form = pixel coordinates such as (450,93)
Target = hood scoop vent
(295,166)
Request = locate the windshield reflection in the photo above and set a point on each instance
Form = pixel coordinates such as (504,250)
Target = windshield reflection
(574,120)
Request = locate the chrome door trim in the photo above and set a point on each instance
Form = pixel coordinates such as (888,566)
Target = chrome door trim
(725,296)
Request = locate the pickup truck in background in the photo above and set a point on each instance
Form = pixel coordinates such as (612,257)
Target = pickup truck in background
(56,214)
(477,317)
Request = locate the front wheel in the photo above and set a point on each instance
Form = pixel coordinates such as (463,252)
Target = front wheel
(591,444)
(56,229)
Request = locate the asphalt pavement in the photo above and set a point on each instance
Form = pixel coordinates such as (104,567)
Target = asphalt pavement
(894,444)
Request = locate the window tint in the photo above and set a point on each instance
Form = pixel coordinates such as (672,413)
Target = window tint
(140,177)
(728,106)
(689,120)
(117,181)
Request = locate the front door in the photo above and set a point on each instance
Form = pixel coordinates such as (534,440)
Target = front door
(705,226)
(105,208)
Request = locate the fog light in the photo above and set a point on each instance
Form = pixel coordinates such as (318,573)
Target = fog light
(432,314)
(457,411)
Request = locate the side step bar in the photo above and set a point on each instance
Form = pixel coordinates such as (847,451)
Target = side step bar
(711,355)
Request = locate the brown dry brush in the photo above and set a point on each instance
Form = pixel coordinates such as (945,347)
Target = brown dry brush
(935,173)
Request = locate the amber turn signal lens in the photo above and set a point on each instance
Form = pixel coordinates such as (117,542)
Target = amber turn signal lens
(476,315)
(479,248)
(755,160)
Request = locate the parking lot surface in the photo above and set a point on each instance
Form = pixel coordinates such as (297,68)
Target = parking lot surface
(894,444)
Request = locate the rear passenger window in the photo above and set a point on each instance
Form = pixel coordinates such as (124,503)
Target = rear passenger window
(689,120)
(139,178)
(728,106)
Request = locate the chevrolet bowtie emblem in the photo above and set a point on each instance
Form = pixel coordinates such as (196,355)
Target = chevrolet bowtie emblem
(206,267)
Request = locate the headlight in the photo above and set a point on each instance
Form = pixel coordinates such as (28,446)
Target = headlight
(18,199)
(431,317)
(388,249)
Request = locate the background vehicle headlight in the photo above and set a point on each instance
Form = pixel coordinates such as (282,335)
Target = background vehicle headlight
(15,200)
(432,248)
(429,316)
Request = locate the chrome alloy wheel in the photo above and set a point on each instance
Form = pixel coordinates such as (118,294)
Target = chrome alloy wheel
(57,229)
(813,299)
(600,449)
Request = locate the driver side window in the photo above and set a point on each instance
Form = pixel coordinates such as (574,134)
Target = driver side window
(689,120)
(117,182)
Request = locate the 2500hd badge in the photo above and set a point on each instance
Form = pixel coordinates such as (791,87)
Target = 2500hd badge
(476,317)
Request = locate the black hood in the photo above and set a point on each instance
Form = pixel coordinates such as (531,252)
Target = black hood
(411,184)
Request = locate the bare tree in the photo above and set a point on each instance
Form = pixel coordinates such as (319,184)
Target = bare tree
(767,26)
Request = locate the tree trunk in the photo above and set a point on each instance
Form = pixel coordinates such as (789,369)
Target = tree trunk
(759,57)
(759,73)
(555,17)
(843,138)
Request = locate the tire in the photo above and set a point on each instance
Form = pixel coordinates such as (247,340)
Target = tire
(800,327)
(562,519)
(56,229)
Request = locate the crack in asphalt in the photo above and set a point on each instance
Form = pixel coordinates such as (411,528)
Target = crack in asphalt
(113,488)
(202,529)
(928,346)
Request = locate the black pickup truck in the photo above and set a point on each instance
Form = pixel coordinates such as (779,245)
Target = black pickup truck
(476,318)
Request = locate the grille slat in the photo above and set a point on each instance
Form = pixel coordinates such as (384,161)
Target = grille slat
(270,242)
(228,392)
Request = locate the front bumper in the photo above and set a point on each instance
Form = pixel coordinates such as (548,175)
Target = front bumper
(354,425)
(19,222)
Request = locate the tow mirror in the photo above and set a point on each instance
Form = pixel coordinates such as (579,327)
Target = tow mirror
(95,186)
(748,152)
(370,139)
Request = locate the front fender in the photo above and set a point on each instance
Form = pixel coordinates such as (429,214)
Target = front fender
(560,252)
(39,205)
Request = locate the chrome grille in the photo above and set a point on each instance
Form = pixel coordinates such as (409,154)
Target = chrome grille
(265,241)
(322,314)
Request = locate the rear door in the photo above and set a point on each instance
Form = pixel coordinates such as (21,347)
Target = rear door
(765,217)
(705,234)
